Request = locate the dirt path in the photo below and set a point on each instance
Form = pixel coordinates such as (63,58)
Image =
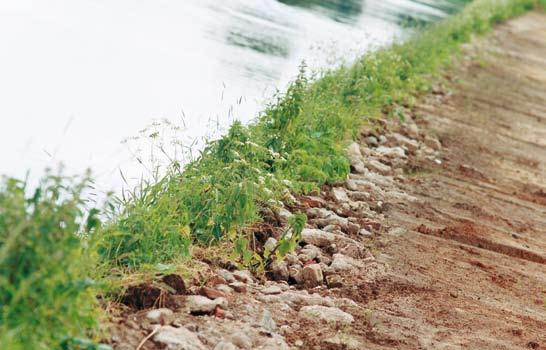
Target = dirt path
(437,240)
(470,267)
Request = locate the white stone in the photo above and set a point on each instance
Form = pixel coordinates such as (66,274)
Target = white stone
(327,314)
(202,305)
(158,315)
(225,346)
(318,238)
(344,263)
(178,339)
(270,244)
(391,152)
(241,340)
(272,290)
(339,194)
(378,167)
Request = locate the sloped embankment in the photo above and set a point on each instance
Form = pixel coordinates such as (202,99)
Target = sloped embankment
(436,240)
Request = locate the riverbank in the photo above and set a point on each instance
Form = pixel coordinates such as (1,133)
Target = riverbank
(234,197)
(435,240)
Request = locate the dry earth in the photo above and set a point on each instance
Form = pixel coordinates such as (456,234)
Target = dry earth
(437,240)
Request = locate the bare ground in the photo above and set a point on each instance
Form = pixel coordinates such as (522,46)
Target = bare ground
(455,257)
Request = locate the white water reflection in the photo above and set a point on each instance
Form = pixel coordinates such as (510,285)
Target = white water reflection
(77,77)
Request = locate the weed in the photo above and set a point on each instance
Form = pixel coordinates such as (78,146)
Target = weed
(46,299)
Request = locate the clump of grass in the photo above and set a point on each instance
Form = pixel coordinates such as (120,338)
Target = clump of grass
(46,299)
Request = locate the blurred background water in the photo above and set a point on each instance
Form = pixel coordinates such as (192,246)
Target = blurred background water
(77,77)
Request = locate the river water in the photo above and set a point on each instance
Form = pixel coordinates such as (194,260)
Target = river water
(81,79)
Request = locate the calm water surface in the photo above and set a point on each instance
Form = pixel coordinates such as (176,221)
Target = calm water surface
(77,77)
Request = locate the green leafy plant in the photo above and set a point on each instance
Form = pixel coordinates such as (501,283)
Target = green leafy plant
(46,295)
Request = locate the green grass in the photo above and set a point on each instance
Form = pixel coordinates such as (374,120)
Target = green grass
(297,143)
(46,300)
(50,242)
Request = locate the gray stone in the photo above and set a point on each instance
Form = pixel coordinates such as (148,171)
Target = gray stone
(272,290)
(241,340)
(339,194)
(313,213)
(365,233)
(178,339)
(344,263)
(224,289)
(225,274)
(243,276)
(239,287)
(267,322)
(391,152)
(223,345)
(312,275)
(372,141)
(355,157)
(279,269)
(159,315)
(270,244)
(326,314)
(284,215)
(295,273)
(344,341)
(200,305)
(378,167)
(410,144)
(318,238)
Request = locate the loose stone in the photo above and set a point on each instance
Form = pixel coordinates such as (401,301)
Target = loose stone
(211,293)
(225,346)
(280,272)
(312,275)
(159,315)
(327,314)
(200,305)
(318,238)
(239,287)
(243,276)
(272,290)
(178,339)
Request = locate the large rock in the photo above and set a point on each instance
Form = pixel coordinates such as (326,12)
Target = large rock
(326,314)
(342,263)
(200,305)
(312,275)
(317,238)
(178,339)
(339,194)
(355,158)
(391,152)
(378,167)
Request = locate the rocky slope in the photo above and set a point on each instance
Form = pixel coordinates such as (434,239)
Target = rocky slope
(436,240)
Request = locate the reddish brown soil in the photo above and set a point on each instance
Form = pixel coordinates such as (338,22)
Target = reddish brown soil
(470,273)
